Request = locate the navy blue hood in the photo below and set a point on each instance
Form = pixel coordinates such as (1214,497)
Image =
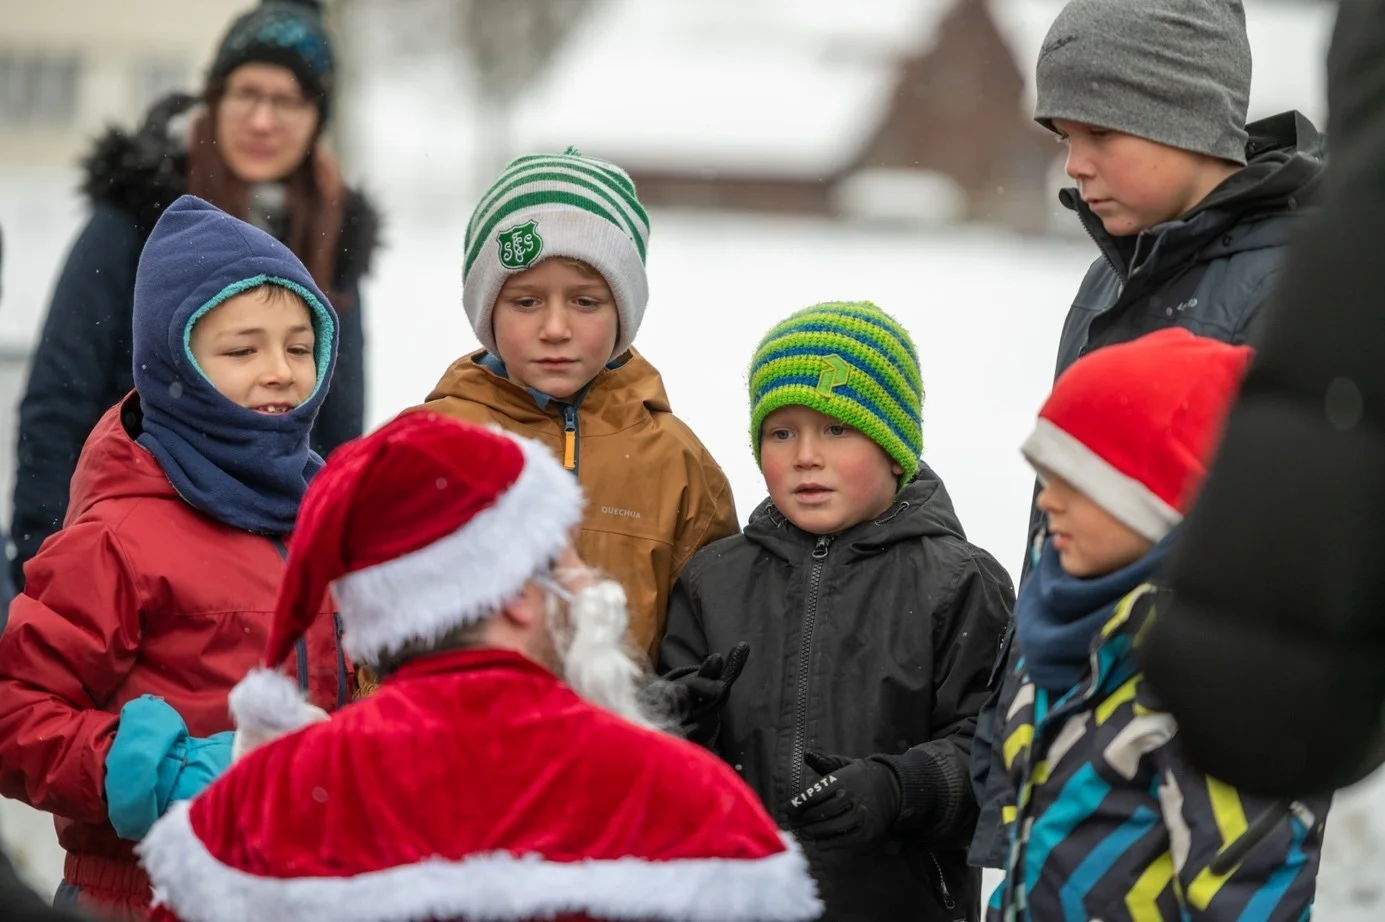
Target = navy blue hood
(247,469)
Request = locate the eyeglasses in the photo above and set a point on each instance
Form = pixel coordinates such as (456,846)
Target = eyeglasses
(555,579)
(551,586)
(288,110)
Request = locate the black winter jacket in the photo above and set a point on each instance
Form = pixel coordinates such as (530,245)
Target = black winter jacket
(1210,272)
(878,641)
(81,366)
(1272,656)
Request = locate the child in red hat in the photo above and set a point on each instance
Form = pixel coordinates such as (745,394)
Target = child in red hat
(1103,808)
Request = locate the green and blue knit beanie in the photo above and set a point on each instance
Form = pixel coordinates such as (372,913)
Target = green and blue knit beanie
(289,33)
(851,361)
(547,205)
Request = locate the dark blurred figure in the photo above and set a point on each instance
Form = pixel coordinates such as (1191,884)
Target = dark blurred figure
(6,585)
(1273,660)
(20,904)
(251,144)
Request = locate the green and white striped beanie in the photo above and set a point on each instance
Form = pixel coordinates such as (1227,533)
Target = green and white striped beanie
(848,360)
(546,205)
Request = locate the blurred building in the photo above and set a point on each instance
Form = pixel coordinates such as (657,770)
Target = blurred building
(896,112)
(905,111)
(67,67)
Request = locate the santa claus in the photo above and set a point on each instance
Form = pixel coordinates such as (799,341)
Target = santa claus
(506,768)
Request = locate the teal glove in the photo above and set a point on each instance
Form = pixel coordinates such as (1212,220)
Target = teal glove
(203,762)
(153,762)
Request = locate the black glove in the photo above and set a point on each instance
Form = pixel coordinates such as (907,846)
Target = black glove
(700,692)
(856,802)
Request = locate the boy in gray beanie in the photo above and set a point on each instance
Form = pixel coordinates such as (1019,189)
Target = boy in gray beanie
(1176,73)
(1190,207)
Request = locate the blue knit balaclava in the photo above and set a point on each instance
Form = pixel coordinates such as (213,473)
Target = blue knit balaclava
(246,469)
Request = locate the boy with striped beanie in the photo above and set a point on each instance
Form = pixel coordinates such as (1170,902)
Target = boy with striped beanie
(872,623)
(553,282)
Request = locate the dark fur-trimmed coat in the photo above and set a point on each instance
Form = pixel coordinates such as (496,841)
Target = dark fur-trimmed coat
(81,366)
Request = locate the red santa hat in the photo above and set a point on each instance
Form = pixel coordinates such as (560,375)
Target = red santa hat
(1134,426)
(426,525)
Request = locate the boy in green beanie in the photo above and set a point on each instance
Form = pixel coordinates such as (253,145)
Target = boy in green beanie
(872,624)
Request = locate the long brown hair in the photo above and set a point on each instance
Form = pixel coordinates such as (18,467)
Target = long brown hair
(315,193)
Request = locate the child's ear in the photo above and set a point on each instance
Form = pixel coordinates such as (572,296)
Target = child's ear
(896,468)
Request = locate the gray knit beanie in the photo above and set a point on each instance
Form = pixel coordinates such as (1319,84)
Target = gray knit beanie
(1172,71)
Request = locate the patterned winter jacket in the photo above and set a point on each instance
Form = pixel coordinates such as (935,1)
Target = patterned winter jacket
(1108,821)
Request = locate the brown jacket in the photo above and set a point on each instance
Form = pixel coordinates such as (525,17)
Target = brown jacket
(654,493)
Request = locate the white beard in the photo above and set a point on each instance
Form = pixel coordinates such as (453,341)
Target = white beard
(596,660)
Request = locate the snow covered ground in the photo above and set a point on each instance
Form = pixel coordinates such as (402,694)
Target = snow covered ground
(985,309)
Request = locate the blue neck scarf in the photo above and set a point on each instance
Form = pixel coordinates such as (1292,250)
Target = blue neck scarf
(244,468)
(1057,616)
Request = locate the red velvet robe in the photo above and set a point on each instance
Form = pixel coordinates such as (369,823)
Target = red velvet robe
(476,784)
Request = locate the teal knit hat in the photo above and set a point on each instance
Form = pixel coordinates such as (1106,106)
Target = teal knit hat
(546,205)
(851,361)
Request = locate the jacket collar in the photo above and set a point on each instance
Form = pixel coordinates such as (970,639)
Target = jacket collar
(624,394)
(1284,161)
(922,509)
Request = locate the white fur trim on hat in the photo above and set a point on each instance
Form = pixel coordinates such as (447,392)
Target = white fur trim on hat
(497,886)
(574,233)
(266,705)
(267,701)
(465,576)
(1124,497)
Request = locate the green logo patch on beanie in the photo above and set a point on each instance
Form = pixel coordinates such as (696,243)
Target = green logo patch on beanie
(848,360)
(520,246)
(834,375)
(545,205)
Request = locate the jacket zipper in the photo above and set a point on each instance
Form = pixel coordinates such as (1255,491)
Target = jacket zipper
(1040,738)
(570,437)
(1101,247)
(805,658)
(1084,348)
(300,648)
(343,689)
(948,901)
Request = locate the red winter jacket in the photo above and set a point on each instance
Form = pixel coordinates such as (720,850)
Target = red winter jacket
(138,594)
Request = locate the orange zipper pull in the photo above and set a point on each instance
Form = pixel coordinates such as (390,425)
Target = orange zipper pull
(570,437)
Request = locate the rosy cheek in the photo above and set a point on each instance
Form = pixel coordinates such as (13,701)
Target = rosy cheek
(773,467)
(860,475)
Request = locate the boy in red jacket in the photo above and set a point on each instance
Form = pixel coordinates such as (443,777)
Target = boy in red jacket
(153,601)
